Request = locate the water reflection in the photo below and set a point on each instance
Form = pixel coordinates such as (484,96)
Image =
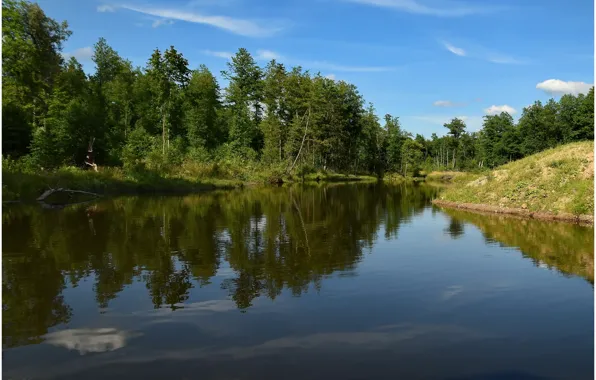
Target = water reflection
(90,340)
(563,247)
(272,239)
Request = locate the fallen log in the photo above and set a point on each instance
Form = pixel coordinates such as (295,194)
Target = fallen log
(49,192)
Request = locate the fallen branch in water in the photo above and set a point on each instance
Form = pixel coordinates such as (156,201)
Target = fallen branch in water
(49,192)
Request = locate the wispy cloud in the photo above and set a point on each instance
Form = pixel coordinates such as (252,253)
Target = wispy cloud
(449,9)
(455,50)
(106,8)
(502,59)
(330,76)
(267,55)
(451,292)
(483,53)
(447,103)
(496,110)
(237,26)
(219,54)
(353,69)
(162,21)
(81,54)
(204,3)
(559,87)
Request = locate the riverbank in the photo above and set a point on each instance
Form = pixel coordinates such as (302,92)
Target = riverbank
(23,185)
(527,214)
(556,184)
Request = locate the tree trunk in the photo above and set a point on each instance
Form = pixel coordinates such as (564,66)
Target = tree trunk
(302,143)
(163,133)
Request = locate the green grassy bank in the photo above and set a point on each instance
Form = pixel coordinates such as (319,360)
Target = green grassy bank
(555,181)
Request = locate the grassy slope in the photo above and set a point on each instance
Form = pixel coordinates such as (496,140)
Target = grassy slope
(558,180)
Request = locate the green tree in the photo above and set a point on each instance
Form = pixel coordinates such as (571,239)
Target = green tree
(168,74)
(31,62)
(244,96)
(273,126)
(201,105)
(395,140)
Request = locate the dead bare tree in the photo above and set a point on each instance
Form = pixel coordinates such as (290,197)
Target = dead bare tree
(90,158)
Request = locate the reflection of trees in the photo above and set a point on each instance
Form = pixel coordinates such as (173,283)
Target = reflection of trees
(455,228)
(31,288)
(565,247)
(273,238)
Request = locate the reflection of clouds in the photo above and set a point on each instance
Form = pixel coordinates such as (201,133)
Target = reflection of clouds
(451,292)
(211,306)
(381,337)
(403,336)
(90,340)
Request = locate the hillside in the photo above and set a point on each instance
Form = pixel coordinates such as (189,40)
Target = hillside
(558,181)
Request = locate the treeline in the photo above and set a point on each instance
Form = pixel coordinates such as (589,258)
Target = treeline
(163,114)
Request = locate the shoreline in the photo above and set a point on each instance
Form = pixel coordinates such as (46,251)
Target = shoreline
(106,185)
(517,212)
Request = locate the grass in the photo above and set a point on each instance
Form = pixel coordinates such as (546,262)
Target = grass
(558,180)
(28,186)
(448,176)
(23,183)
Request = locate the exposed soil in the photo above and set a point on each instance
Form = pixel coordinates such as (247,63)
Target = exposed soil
(482,208)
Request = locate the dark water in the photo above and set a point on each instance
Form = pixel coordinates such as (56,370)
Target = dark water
(337,282)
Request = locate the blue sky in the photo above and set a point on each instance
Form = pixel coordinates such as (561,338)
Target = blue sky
(425,61)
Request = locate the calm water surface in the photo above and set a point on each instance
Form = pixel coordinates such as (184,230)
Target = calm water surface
(332,282)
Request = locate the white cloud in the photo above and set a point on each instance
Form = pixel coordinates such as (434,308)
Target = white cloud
(106,8)
(236,26)
(330,76)
(219,54)
(559,87)
(81,54)
(496,110)
(90,340)
(267,55)
(447,103)
(162,21)
(455,50)
(450,9)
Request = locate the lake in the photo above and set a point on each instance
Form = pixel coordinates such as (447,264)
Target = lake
(363,281)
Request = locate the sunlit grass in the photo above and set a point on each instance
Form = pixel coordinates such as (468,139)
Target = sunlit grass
(558,180)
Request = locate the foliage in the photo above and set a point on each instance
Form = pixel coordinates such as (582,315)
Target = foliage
(275,120)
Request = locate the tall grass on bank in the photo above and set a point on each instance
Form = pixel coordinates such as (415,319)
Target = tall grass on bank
(23,181)
(558,180)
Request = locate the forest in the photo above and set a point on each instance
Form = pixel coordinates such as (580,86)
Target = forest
(279,119)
